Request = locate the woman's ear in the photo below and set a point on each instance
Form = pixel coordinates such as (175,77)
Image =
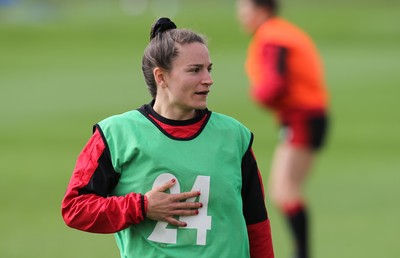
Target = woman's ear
(159,76)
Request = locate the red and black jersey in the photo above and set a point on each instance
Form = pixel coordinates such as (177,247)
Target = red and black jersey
(285,70)
(88,205)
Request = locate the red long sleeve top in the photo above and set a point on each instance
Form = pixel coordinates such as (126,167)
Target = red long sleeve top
(87,205)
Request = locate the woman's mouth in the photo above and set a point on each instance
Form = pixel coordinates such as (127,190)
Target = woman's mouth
(202,92)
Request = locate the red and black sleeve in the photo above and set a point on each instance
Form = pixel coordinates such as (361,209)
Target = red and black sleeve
(254,210)
(87,205)
(274,83)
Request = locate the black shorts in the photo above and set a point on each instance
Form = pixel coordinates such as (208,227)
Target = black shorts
(306,130)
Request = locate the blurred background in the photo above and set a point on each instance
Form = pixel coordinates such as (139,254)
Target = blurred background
(65,65)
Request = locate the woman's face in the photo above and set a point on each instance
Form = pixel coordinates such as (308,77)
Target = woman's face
(187,84)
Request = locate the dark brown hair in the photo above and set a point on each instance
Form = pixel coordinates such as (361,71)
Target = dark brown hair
(272,5)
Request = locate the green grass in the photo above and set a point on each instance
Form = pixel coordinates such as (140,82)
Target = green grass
(64,71)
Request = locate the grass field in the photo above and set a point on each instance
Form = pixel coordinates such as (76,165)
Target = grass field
(64,67)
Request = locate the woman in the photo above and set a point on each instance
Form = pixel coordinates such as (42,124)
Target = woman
(286,77)
(171,178)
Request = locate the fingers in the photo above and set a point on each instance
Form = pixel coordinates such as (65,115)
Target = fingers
(178,223)
(185,195)
(176,197)
(183,209)
(166,206)
(186,206)
(166,186)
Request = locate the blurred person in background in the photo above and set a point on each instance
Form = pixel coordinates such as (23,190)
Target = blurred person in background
(286,77)
(172,178)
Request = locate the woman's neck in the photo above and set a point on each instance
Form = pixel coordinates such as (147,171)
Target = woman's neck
(173,112)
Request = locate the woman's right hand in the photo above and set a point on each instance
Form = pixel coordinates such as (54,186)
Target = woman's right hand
(164,206)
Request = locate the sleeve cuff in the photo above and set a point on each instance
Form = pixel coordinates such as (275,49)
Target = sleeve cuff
(144,205)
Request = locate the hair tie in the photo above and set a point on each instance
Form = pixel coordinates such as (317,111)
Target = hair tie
(161,26)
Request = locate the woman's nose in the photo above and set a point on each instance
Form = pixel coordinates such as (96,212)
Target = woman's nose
(207,79)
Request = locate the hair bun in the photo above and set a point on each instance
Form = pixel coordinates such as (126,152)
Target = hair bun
(162,25)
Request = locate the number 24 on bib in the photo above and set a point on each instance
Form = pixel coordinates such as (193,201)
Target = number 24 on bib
(201,222)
